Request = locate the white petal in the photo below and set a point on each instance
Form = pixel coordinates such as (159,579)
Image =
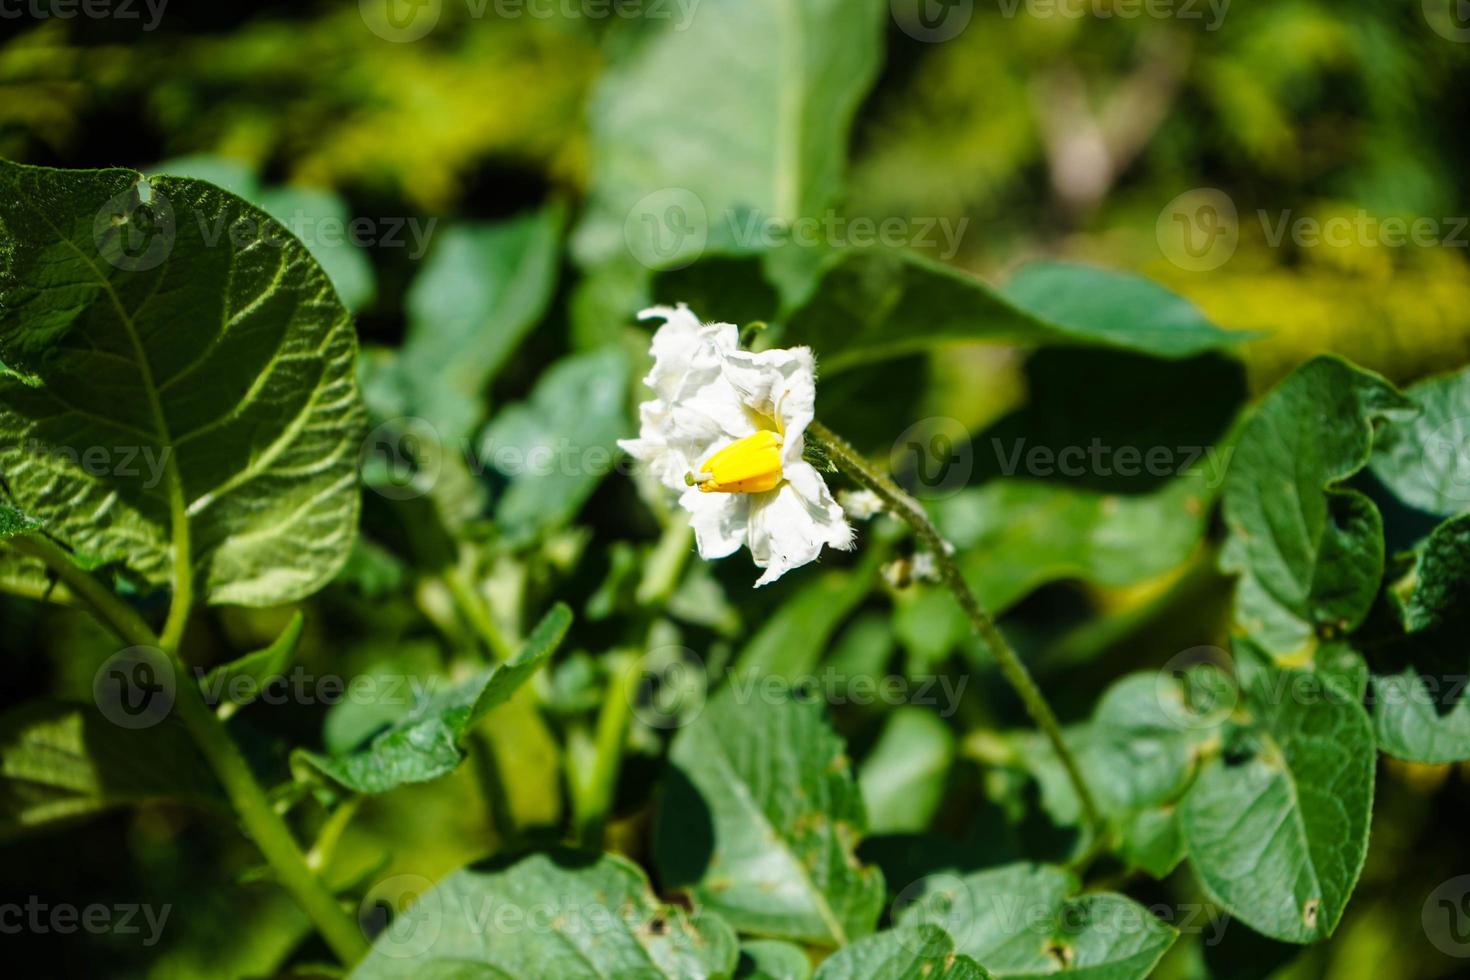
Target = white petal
(780,384)
(720,520)
(790,525)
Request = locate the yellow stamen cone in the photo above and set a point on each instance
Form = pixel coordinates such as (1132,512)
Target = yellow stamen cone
(749,465)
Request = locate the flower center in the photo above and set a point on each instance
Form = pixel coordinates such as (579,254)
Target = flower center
(749,465)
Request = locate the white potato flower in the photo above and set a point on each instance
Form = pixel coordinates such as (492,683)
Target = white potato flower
(726,429)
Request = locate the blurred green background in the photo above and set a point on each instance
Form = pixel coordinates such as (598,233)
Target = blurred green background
(1078,137)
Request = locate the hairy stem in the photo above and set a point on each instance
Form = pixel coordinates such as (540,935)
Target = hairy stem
(266,827)
(907,509)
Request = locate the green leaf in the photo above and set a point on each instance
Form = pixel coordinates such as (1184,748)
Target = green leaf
(13,522)
(904,776)
(1417,671)
(425,743)
(240,681)
(791,642)
(914,953)
(1017,535)
(875,305)
(1421,458)
(318,217)
(1310,553)
(1138,753)
(563,914)
(483,289)
(688,166)
(197,383)
(771,959)
(556,447)
(760,819)
(1023,920)
(1277,825)
(63,761)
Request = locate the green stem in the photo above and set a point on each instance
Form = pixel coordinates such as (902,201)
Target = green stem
(117,615)
(473,608)
(666,562)
(598,786)
(847,459)
(248,798)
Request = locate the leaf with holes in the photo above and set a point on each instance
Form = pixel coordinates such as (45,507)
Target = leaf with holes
(191,406)
(910,953)
(1309,551)
(1276,827)
(563,914)
(760,819)
(1027,921)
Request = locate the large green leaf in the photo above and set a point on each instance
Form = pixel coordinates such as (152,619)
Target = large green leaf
(874,305)
(693,140)
(1309,552)
(563,914)
(771,959)
(556,447)
(483,289)
(65,761)
(1026,920)
(425,744)
(910,953)
(760,818)
(904,776)
(1417,671)
(1276,826)
(1138,753)
(195,383)
(1421,459)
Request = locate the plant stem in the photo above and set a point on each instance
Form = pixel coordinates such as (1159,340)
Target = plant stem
(264,825)
(905,507)
(473,608)
(599,785)
(115,614)
(246,795)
